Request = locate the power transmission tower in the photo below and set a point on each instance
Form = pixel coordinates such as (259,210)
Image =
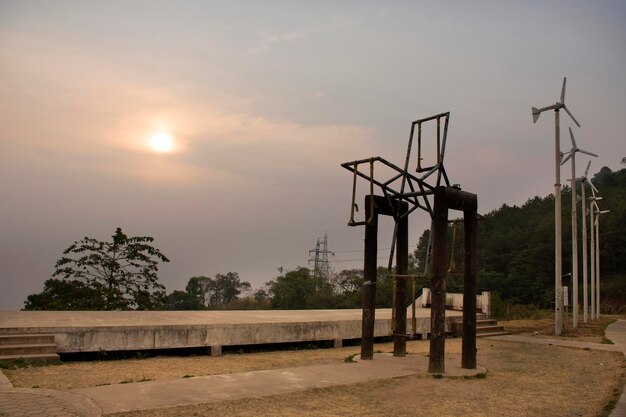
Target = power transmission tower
(319,258)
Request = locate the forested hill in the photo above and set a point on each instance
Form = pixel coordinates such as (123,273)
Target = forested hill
(516,246)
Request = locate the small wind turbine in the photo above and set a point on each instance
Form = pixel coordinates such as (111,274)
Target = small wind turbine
(558,289)
(592,256)
(572,155)
(598,213)
(583,187)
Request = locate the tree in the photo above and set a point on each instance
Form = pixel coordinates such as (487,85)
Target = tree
(65,295)
(228,287)
(218,291)
(124,270)
(200,287)
(292,290)
(182,300)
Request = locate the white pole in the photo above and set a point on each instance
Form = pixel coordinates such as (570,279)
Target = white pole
(558,287)
(584,242)
(598,264)
(593,263)
(574,246)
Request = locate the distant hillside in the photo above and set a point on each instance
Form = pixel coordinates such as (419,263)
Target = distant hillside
(516,246)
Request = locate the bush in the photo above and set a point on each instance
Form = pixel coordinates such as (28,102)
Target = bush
(502,310)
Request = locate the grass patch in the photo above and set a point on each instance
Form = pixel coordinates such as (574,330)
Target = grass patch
(14,364)
(610,405)
(350,358)
(606,341)
(130,381)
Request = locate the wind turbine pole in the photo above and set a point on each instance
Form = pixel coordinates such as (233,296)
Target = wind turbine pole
(593,263)
(598,260)
(574,247)
(572,155)
(558,287)
(598,264)
(585,290)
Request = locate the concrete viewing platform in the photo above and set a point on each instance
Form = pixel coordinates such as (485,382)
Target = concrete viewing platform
(92,331)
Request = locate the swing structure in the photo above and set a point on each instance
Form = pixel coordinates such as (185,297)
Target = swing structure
(403,192)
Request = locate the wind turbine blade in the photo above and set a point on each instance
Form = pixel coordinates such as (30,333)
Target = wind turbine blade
(563,90)
(587,170)
(536,114)
(571,115)
(569,155)
(571,135)
(593,188)
(587,152)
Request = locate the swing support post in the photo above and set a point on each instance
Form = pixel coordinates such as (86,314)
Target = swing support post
(447,198)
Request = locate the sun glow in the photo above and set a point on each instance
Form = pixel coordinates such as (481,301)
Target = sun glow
(161,142)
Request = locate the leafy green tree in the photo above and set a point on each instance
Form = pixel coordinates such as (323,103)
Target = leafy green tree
(228,287)
(349,281)
(65,295)
(124,270)
(182,300)
(200,287)
(216,292)
(292,290)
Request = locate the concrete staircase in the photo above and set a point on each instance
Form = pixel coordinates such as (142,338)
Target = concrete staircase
(484,328)
(28,347)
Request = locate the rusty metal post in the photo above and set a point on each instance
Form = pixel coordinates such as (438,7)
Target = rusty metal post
(436,359)
(402,265)
(369,277)
(413,295)
(470,266)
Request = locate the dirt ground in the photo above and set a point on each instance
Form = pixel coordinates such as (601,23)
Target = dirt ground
(522,380)
(592,332)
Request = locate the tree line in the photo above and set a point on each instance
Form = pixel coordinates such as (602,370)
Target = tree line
(515,259)
(516,247)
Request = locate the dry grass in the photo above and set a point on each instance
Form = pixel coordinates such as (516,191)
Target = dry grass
(592,332)
(522,380)
(71,375)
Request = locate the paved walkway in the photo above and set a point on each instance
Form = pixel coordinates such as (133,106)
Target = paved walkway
(93,402)
(197,390)
(616,332)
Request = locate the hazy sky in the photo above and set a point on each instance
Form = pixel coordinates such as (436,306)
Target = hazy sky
(264,100)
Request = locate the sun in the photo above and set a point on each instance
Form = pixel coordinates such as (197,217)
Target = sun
(161,142)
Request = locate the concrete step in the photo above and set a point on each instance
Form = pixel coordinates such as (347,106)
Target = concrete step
(492,334)
(489,329)
(483,327)
(32,357)
(28,349)
(25,339)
